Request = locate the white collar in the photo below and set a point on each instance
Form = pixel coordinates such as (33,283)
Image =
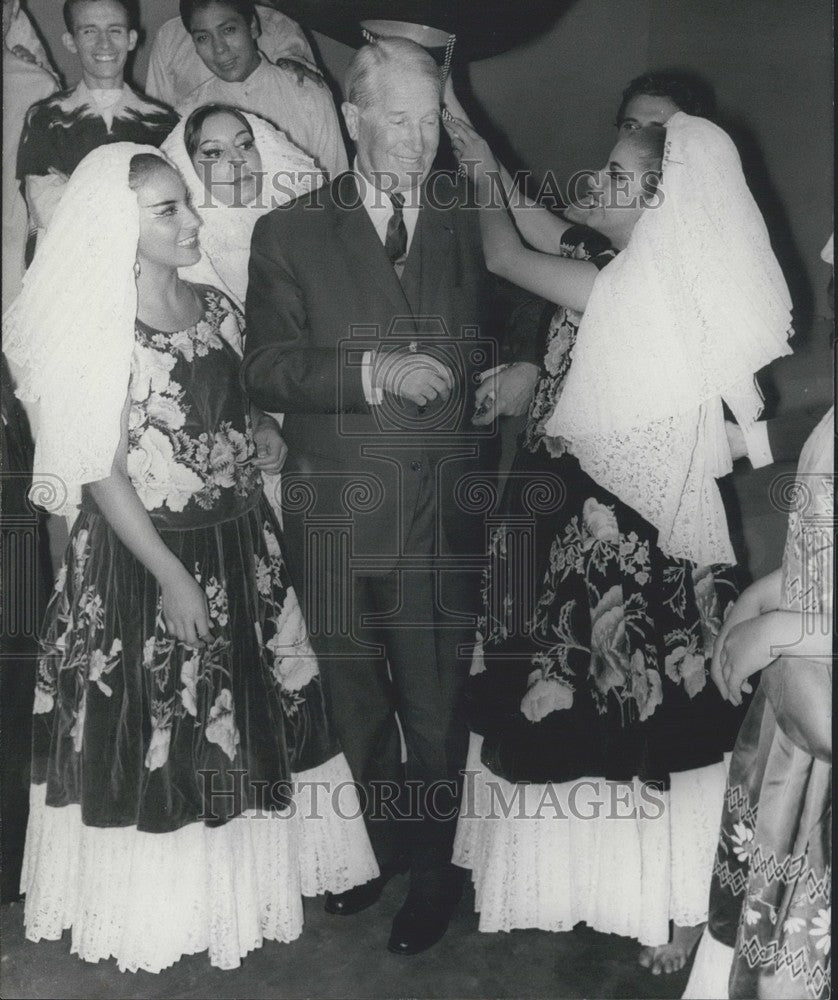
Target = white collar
(380,208)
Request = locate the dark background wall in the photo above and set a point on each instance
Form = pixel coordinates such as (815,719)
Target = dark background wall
(550,104)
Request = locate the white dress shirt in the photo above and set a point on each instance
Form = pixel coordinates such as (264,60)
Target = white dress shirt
(379,208)
(175,69)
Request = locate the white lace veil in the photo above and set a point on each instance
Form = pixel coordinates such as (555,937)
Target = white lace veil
(679,321)
(226,232)
(71,329)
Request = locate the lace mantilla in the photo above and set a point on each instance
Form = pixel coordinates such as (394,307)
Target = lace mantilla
(71,329)
(683,318)
(226,232)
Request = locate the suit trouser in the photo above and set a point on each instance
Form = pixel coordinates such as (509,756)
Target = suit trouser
(404,652)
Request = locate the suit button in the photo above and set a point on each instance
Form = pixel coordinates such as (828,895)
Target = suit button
(416,466)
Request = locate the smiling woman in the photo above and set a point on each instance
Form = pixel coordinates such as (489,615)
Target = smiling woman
(223,152)
(173,608)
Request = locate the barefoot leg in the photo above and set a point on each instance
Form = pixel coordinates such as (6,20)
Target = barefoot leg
(671,957)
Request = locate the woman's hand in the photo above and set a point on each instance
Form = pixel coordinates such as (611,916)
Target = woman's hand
(271,449)
(471,149)
(763,595)
(745,651)
(185,610)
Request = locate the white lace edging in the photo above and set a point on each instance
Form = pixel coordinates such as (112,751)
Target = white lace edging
(557,858)
(147,899)
(335,852)
(710,973)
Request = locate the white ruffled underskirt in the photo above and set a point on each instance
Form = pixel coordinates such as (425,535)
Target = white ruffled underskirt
(147,899)
(710,973)
(544,867)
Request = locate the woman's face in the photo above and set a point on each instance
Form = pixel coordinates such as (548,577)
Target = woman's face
(168,224)
(616,194)
(228,162)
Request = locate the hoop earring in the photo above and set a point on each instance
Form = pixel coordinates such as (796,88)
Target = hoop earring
(137,269)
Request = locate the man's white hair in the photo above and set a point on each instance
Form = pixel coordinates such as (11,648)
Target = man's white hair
(362,83)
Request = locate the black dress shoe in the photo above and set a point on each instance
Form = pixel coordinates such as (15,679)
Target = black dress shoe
(359,897)
(419,924)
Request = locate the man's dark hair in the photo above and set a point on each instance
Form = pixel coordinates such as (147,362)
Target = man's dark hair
(127,5)
(687,92)
(247,9)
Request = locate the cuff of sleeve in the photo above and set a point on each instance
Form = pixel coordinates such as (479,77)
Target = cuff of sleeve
(373,395)
(756,441)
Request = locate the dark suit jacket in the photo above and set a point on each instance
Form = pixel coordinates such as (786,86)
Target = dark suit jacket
(322,292)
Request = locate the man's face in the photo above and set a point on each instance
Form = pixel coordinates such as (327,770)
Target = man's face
(644,110)
(225,42)
(397,134)
(102,39)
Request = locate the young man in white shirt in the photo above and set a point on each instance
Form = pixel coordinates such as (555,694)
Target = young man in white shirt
(225,34)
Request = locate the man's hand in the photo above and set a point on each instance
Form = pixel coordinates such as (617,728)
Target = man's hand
(271,449)
(301,71)
(506,392)
(418,378)
(736,440)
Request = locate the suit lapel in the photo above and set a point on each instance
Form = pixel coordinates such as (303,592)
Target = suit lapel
(435,243)
(365,253)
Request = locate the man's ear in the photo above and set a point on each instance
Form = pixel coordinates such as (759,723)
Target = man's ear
(69,43)
(350,116)
(133,38)
(255,28)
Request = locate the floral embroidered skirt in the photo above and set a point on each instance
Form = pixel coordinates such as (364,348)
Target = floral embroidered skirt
(583,610)
(771,896)
(594,666)
(168,781)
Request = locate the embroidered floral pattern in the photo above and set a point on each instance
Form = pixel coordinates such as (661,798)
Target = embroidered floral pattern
(170,465)
(113,684)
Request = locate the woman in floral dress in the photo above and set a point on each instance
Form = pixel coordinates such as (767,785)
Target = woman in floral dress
(179,720)
(596,766)
(770,925)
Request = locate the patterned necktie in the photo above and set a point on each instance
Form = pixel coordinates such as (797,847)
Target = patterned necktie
(396,241)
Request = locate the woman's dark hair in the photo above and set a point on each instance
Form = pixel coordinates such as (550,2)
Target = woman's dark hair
(650,143)
(127,5)
(247,9)
(142,166)
(195,122)
(687,92)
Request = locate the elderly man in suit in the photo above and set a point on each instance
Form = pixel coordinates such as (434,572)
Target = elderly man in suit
(367,326)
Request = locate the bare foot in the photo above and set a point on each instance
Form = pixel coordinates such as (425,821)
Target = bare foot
(671,957)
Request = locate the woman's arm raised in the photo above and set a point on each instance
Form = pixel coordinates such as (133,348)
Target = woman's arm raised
(184,602)
(538,225)
(557,279)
